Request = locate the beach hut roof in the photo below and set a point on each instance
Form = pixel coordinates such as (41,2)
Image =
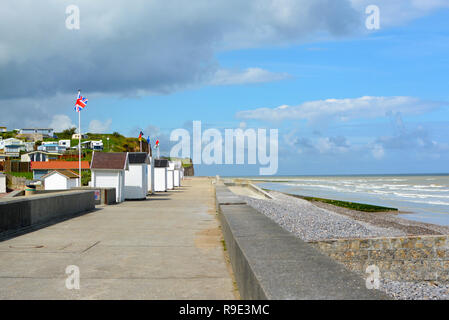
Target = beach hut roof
(138,158)
(110,160)
(160,163)
(67,173)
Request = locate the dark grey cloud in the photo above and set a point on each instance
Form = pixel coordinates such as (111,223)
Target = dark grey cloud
(303,143)
(339,141)
(320,145)
(407,138)
(415,138)
(134,48)
(143,46)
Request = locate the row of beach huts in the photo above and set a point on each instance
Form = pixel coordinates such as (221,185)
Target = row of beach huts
(134,174)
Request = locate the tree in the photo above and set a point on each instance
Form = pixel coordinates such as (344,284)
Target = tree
(68,133)
(85,177)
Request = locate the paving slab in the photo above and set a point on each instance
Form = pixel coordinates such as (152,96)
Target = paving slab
(166,247)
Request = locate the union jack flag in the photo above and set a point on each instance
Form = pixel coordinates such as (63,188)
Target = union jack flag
(81,102)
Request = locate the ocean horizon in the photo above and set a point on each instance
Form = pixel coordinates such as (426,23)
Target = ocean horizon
(419,197)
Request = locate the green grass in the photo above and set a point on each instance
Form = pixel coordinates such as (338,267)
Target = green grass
(8,134)
(350,205)
(27,175)
(224,245)
(117,142)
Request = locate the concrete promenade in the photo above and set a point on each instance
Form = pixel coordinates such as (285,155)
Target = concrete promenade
(167,247)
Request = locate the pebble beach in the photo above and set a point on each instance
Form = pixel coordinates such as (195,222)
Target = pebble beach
(313,222)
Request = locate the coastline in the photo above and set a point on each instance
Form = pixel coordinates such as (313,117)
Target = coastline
(388,219)
(423,198)
(385,239)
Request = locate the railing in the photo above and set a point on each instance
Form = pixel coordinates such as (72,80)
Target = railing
(16,166)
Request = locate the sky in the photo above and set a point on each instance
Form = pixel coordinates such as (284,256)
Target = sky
(345,99)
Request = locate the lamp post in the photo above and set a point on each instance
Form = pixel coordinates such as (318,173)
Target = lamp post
(108,144)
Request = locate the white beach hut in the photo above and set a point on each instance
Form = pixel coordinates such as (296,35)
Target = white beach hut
(170,175)
(177,174)
(108,171)
(151,175)
(136,178)
(61,180)
(160,175)
(2,183)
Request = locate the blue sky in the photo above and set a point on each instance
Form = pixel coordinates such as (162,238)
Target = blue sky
(406,58)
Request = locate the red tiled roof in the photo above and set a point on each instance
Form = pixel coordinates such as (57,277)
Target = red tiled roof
(53,165)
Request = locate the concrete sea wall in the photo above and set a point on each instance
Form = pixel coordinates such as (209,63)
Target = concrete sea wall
(270,263)
(105,196)
(424,258)
(22,212)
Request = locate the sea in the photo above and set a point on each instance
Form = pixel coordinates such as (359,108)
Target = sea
(422,198)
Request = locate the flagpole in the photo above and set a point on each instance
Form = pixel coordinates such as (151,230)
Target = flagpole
(79,146)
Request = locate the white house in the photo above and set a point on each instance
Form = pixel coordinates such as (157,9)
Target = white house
(108,171)
(76,136)
(46,132)
(11,141)
(97,145)
(61,180)
(12,150)
(64,143)
(151,174)
(3,129)
(160,175)
(39,156)
(51,147)
(2,183)
(136,178)
(170,175)
(91,145)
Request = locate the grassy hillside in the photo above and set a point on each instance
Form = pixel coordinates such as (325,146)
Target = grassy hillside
(116,143)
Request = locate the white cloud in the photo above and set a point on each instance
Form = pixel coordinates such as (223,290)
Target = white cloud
(378,151)
(399,12)
(61,122)
(342,109)
(248,76)
(96,126)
